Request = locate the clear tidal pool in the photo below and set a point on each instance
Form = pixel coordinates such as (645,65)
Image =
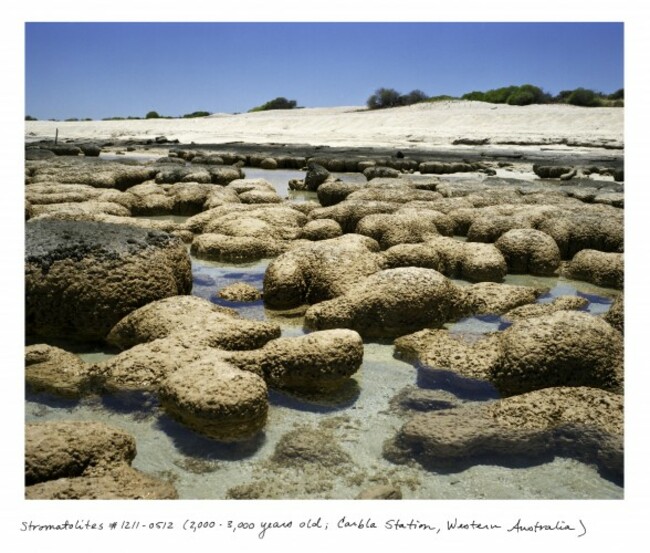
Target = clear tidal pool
(358,421)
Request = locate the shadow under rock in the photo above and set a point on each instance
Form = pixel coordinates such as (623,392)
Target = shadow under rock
(463,388)
(317,402)
(195,445)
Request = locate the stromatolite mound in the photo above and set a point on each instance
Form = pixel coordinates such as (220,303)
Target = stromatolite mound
(54,370)
(565,348)
(616,316)
(529,251)
(240,291)
(391,303)
(85,460)
(319,271)
(196,318)
(83,277)
(562,303)
(317,362)
(585,423)
(216,399)
(601,268)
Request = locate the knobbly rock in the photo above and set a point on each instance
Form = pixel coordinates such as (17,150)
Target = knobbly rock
(235,249)
(579,422)
(171,175)
(563,303)
(349,213)
(216,399)
(390,303)
(400,195)
(37,154)
(615,315)
(317,362)
(207,160)
(83,277)
(601,268)
(123,482)
(497,298)
(553,172)
(240,291)
(316,175)
(89,208)
(471,261)
(319,271)
(589,230)
(69,449)
(261,221)
(85,460)
(195,317)
(332,192)
(565,348)
(308,446)
(529,251)
(447,351)
(269,163)
(404,226)
(54,370)
(98,175)
(45,193)
(380,172)
(321,229)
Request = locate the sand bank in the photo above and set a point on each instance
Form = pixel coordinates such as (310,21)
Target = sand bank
(423,126)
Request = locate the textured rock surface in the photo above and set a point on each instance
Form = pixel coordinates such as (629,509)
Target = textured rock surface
(601,268)
(578,422)
(565,348)
(496,298)
(616,314)
(563,303)
(83,277)
(320,361)
(194,317)
(216,399)
(390,303)
(85,460)
(529,251)
(54,370)
(319,271)
(240,291)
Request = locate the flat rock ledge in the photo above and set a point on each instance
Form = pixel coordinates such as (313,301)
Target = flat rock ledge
(578,422)
(85,460)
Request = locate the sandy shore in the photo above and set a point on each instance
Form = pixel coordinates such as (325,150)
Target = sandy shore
(422,126)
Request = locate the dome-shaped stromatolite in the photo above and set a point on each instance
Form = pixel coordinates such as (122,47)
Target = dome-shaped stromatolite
(319,271)
(391,303)
(320,361)
(193,317)
(240,291)
(321,229)
(83,277)
(615,316)
(601,268)
(529,251)
(566,348)
(586,423)
(51,369)
(85,460)
(216,399)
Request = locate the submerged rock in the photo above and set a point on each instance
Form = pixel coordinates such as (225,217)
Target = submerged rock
(240,291)
(85,460)
(54,370)
(585,423)
(83,277)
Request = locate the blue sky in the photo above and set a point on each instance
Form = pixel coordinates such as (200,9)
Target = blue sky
(100,70)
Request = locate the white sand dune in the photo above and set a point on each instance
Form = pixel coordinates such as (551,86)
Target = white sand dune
(422,126)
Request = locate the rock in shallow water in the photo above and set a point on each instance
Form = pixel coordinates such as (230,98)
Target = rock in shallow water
(82,277)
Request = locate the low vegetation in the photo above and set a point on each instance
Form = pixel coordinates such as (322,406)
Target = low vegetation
(277,103)
(523,95)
